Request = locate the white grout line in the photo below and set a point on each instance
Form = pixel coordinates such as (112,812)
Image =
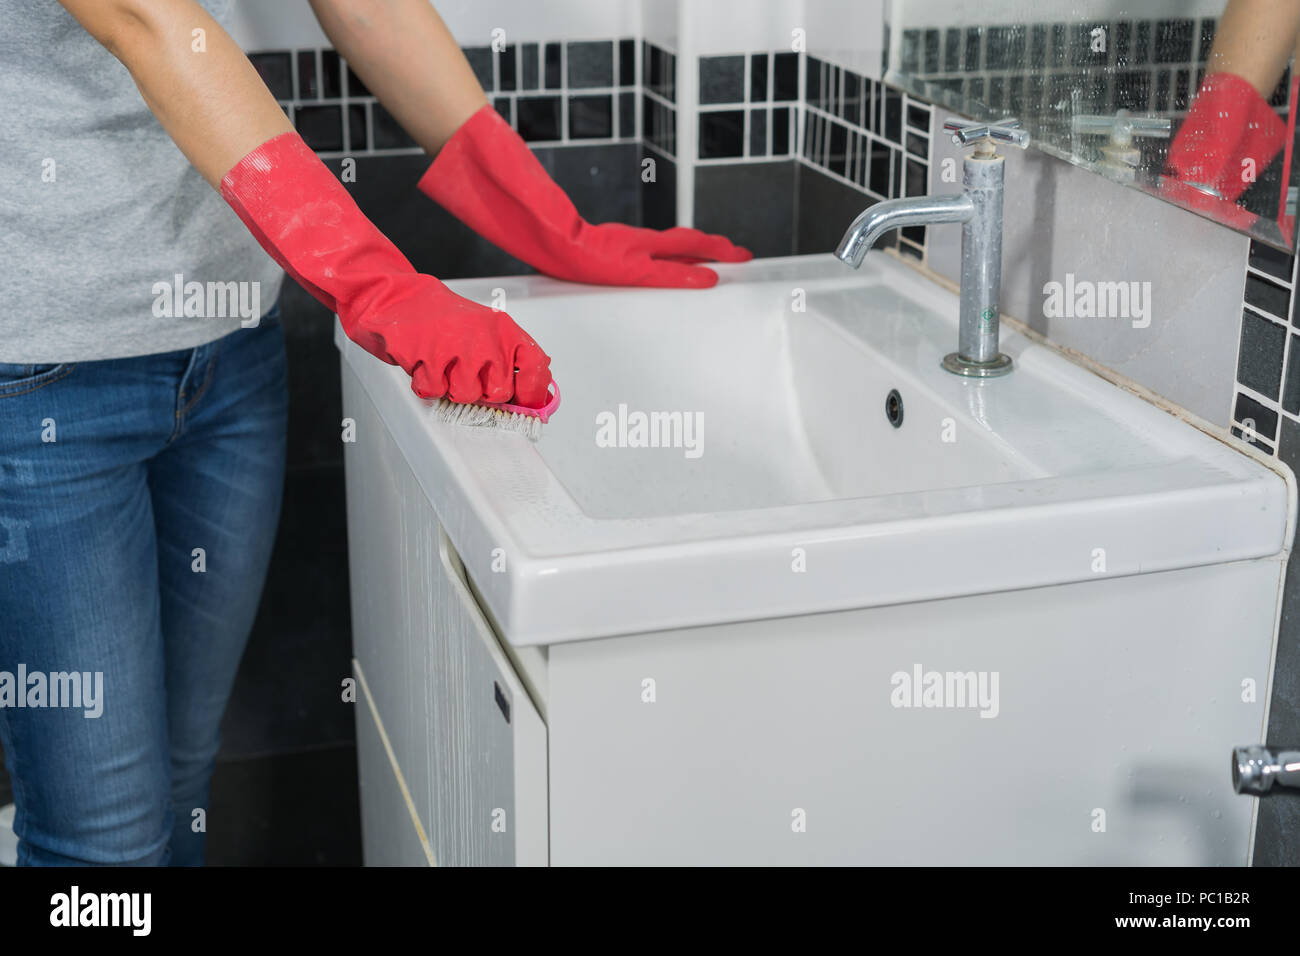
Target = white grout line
(1270,404)
(1255,310)
(662,152)
(871,194)
(1251,270)
(663,100)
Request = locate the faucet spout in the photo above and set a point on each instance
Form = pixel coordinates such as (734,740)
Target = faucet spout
(876,220)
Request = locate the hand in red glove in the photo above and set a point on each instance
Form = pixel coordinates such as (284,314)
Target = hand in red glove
(451,347)
(490,180)
(1228,123)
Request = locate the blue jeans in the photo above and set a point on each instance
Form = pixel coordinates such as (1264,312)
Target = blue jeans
(138,504)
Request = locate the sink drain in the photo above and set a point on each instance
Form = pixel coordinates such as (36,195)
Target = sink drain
(894,408)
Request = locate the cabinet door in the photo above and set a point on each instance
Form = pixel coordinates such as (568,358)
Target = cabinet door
(465,739)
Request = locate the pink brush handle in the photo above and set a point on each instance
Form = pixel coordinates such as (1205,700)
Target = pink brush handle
(544,413)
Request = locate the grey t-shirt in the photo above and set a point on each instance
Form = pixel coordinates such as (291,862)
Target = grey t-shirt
(111,243)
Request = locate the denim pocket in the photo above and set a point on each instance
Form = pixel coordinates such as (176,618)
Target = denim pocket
(18,379)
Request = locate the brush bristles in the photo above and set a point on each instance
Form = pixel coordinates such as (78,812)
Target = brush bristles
(482,416)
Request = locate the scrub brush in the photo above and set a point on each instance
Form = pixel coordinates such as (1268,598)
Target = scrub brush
(515,418)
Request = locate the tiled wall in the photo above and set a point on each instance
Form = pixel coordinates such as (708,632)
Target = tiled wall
(552,92)
(1266,412)
(747,105)
(659,98)
(1268,360)
(869,136)
(791,147)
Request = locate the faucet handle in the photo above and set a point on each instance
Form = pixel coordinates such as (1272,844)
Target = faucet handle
(1123,126)
(966,133)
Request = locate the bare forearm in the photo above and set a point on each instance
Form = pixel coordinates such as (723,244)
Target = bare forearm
(404,53)
(202,89)
(1255,39)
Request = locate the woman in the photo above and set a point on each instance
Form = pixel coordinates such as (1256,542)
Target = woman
(142,434)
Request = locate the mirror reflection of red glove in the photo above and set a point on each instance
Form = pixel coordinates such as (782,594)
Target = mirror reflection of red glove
(451,347)
(1228,124)
(488,178)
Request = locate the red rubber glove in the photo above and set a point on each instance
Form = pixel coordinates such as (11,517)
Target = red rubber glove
(451,347)
(490,180)
(1229,123)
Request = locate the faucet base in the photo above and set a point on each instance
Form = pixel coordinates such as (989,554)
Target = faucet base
(1000,365)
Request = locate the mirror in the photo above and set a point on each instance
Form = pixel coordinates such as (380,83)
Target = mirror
(1188,100)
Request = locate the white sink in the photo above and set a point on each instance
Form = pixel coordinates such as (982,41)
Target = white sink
(799,463)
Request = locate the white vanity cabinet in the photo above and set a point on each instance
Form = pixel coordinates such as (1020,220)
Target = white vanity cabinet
(452,751)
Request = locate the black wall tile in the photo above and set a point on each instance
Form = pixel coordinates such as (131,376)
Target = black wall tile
(750,203)
(659,196)
(894,116)
(388,133)
(308,81)
(780,131)
(1123,42)
(757,132)
(1038,55)
(1267,296)
(1174,41)
(626,115)
(812,84)
(722,134)
(911,42)
(626,62)
(1259,362)
(930,51)
(878,174)
(1206,41)
(1004,48)
(480,61)
(654,68)
(355,87)
(321,127)
(918,179)
(357,141)
(507,75)
(758,78)
(972,52)
(851,104)
(331,75)
(591,64)
(722,79)
(839,149)
(538,117)
(1253,439)
(1291,389)
(1247,409)
(785,76)
(276,71)
(506,107)
(591,117)
(552,72)
(531,67)
(826,207)
(952,50)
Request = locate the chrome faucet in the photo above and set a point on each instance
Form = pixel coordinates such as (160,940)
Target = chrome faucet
(979,209)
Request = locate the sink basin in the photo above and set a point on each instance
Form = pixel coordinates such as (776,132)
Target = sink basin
(780,485)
